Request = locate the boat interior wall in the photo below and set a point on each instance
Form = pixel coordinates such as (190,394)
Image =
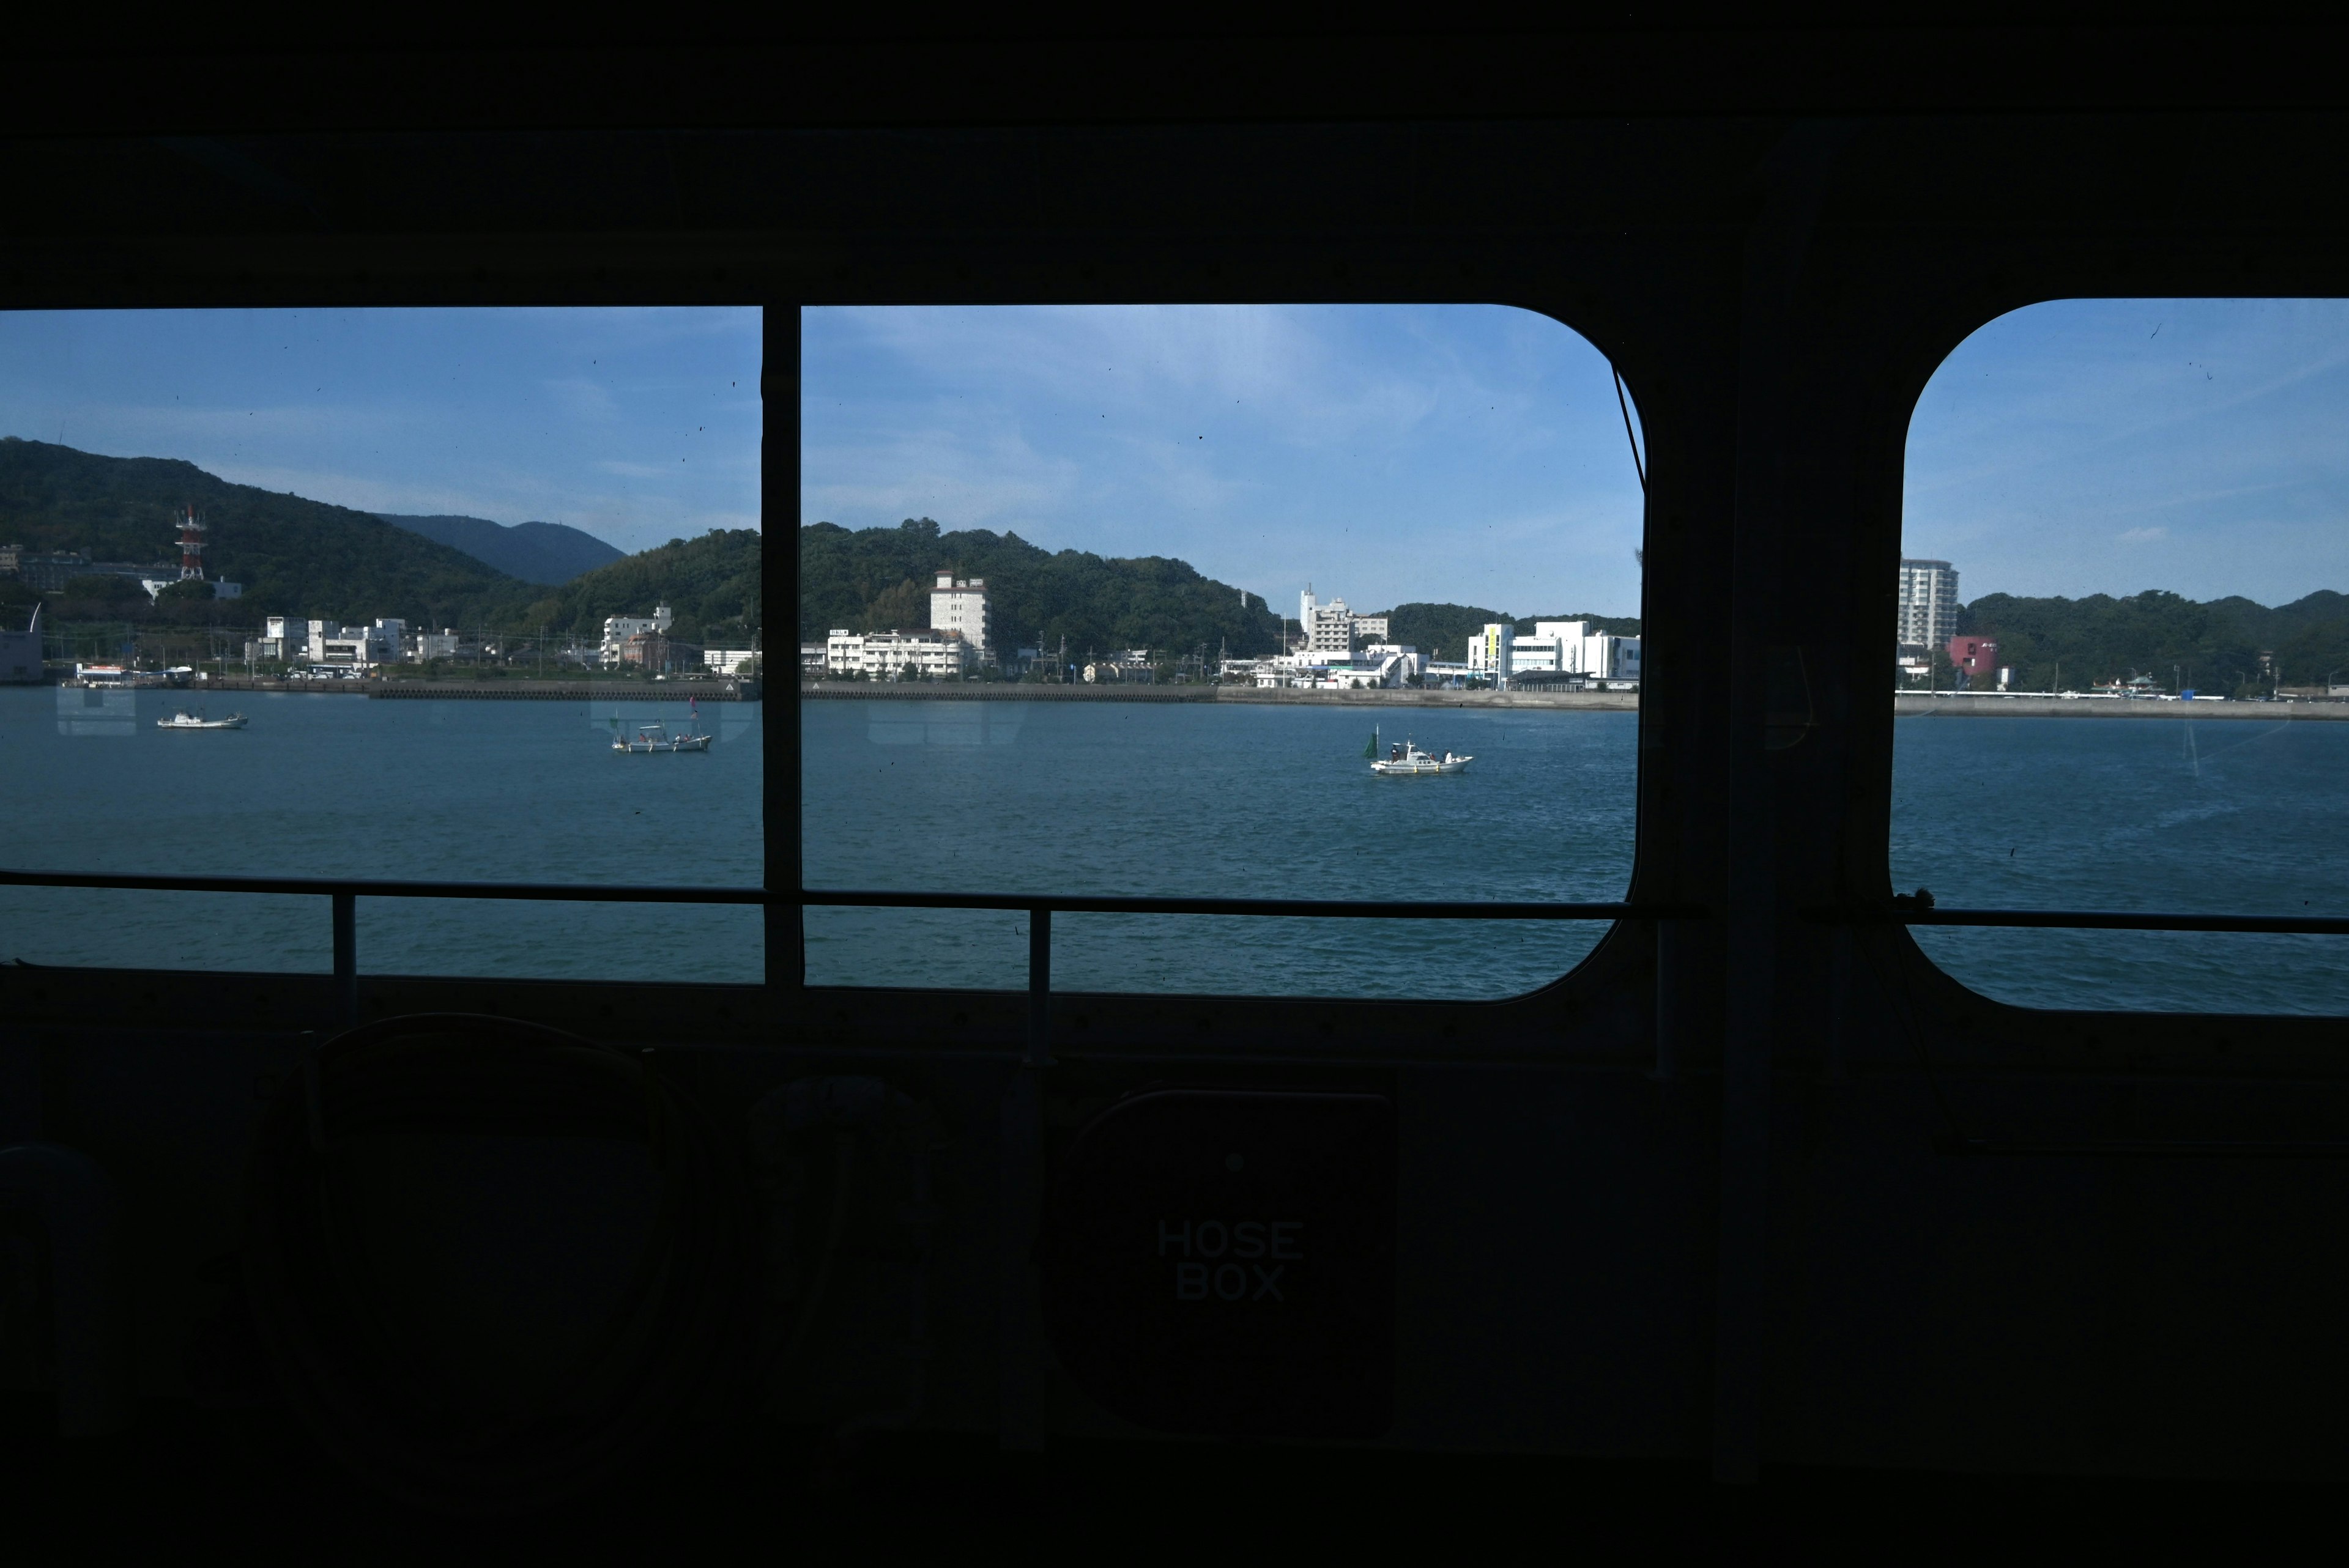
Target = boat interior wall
(1753,1188)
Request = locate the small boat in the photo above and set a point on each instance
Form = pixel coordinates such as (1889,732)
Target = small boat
(183,720)
(1407,760)
(651,738)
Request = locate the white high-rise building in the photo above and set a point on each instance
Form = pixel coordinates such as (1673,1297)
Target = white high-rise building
(1334,629)
(958,605)
(1929,603)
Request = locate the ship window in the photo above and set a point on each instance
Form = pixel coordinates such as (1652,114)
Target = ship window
(435,561)
(2124,662)
(1093,601)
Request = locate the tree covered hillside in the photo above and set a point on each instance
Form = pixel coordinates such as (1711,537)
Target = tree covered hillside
(710,583)
(295,557)
(2214,645)
(877,579)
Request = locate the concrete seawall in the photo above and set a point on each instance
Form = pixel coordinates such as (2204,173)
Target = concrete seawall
(1956,706)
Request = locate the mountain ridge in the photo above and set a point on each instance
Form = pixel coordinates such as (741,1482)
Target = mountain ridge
(547,553)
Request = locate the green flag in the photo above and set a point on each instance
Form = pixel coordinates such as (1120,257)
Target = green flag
(1371,750)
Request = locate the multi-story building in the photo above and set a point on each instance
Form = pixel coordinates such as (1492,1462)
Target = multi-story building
(1929,604)
(885,655)
(361,647)
(1556,648)
(731,661)
(618,629)
(1572,648)
(1334,630)
(659,653)
(1492,651)
(959,607)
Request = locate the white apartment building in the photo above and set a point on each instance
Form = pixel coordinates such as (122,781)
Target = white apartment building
(1333,629)
(618,629)
(324,643)
(884,655)
(727,661)
(958,605)
(1927,617)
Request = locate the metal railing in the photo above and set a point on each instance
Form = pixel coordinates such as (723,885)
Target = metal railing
(1910,909)
(343,893)
(1918,909)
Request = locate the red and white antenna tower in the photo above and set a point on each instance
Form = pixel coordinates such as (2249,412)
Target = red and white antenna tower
(191,545)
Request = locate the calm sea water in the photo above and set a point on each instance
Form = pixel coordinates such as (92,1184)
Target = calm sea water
(2236,817)
(340,785)
(1265,801)
(1271,802)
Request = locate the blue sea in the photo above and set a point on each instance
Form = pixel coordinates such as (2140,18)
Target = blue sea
(1248,801)
(2173,816)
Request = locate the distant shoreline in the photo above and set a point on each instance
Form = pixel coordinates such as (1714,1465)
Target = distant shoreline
(1014,691)
(1962,705)
(471,691)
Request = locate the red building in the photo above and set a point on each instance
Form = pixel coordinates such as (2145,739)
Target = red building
(1975,657)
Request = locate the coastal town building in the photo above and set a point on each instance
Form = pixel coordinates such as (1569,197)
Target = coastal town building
(734,661)
(1568,651)
(1491,650)
(618,629)
(660,653)
(887,655)
(1975,659)
(361,647)
(959,607)
(1334,630)
(1927,615)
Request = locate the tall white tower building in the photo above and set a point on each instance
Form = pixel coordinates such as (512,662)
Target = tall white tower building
(1929,603)
(959,604)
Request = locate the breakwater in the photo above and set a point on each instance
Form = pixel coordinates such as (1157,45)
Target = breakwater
(1957,704)
(972,691)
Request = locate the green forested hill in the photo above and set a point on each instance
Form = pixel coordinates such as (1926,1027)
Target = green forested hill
(2214,645)
(295,557)
(712,583)
(878,578)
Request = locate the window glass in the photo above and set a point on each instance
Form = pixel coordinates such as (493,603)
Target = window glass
(1128,601)
(371,594)
(2123,666)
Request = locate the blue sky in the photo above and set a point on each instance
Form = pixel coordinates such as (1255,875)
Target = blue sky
(636,425)
(1385,453)
(1468,453)
(2109,446)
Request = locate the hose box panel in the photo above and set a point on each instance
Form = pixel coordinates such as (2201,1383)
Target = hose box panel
(1221,1262)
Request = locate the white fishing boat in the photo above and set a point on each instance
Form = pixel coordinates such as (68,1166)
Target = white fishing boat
(183,720)
(1405,759)
(652,737)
